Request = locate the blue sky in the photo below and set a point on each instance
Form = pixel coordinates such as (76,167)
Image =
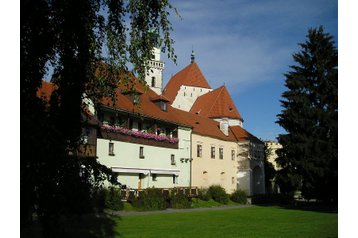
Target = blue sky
(247,45)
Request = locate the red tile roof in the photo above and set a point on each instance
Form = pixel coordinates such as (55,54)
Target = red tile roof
(189,76)
(204,126)
(199,124)
(146,107)
(45,91)
(243,135)
(159,98)
(215,104)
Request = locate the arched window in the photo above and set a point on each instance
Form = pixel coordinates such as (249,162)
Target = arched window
(153,81)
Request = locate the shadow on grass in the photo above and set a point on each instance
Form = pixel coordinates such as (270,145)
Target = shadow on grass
(89,226)
(305,206)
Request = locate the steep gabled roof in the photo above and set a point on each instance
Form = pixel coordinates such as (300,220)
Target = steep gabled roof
(191,75)
(243,135)
(215,104)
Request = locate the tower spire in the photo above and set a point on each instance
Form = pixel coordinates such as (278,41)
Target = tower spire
(192,56)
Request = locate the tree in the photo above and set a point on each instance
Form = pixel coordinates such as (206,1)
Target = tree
(269,169)
(70,37)
(309,157)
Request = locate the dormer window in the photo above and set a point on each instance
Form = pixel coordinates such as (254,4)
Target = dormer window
(164,106)
(161,102)
(135,99)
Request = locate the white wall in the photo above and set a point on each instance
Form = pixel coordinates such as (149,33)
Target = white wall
(185,102)
(127,155)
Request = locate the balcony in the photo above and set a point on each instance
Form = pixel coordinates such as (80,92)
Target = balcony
(137,137)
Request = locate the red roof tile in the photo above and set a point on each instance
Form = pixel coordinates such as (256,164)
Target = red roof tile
(160,98)
(146,107)
(46,90)
(200,125)
(243,135)
(204,126)
(189,76)
(215,104)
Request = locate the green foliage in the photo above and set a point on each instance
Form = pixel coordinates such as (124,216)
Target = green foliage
(309,157)
(197,203)
(203,194)
(270,171)
(179,201)
(70,37)
(218,193)
(150,199)
(113,199)
(239,196)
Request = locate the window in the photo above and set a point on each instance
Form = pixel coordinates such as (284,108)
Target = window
(154,177)
(221,153)
(232,154)
(136,99)
(130,123)
(232,180)
(153,81)
(175,179)
(184,94)
(112,121)
(172,159)
(212,152)
(111,148)
(163,106)
(198,150)
(175,133)
(141,152)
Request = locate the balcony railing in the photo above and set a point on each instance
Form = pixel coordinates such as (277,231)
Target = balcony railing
(139,137)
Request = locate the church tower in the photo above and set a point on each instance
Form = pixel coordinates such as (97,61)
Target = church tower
(154,76)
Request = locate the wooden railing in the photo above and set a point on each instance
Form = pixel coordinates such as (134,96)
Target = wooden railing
(131,194)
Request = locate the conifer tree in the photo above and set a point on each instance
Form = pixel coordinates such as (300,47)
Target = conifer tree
(309,157)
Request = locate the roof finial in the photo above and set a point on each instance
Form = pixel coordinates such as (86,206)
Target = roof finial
(192,56)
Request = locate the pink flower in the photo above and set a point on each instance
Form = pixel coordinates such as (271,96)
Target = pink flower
(140,134)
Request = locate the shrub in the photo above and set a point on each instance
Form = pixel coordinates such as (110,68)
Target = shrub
(150,199)
(112,198)
(218,194)
(179,201)
(203,194)
(239,196)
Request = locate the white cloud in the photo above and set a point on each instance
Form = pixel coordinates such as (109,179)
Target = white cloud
(242,43)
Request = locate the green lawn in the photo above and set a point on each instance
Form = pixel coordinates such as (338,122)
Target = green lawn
(240,222)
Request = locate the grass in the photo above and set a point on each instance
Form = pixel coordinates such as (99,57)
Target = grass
(196,204)
(240,222)
(211,203)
